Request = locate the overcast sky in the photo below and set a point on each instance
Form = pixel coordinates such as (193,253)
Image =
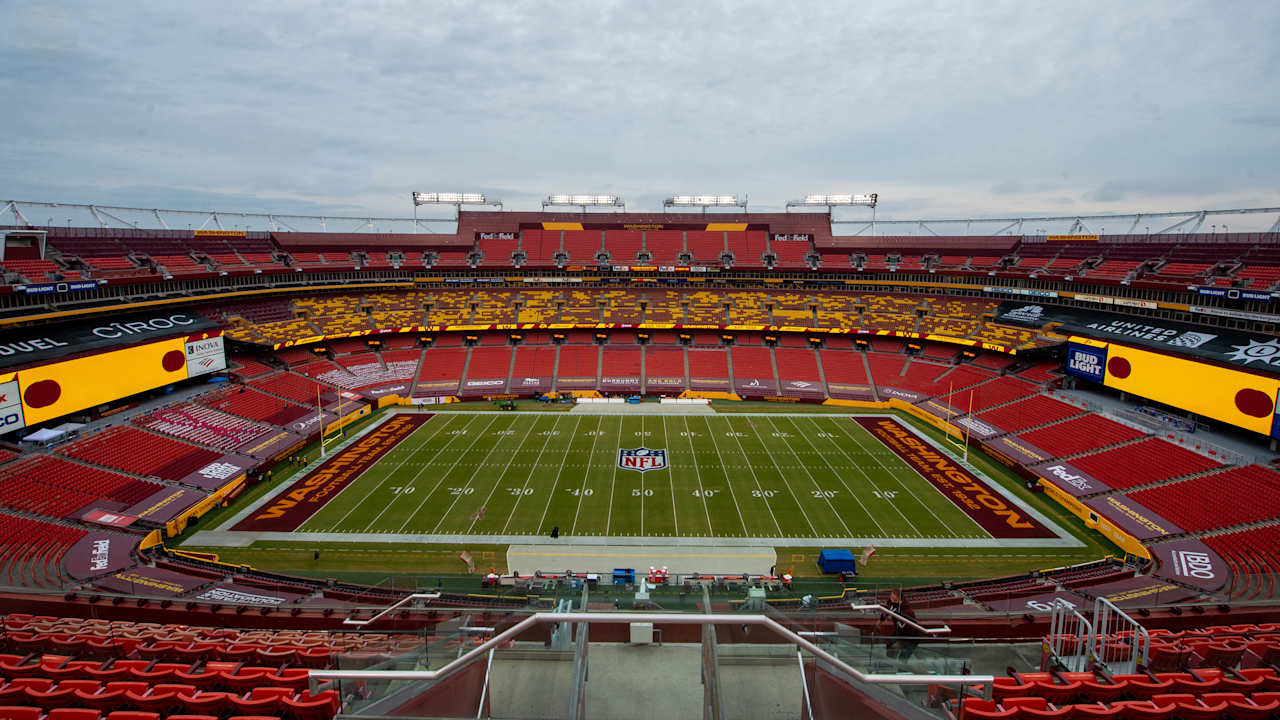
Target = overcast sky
(945,109)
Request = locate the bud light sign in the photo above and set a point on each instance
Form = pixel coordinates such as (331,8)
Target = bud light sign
(1086,362)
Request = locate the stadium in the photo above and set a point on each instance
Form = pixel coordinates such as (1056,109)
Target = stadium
(429,467)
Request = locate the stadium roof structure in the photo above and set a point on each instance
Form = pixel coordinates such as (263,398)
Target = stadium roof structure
(1258,219)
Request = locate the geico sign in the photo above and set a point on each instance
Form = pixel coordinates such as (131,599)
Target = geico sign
(1189,563)
(118,329)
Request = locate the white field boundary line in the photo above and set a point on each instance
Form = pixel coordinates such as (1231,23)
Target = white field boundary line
(785,438)
(253,507)
(994,485)
(497,479)
(867,478)
(414,480)
(412,454)
(244,538)
(471,478)
(763,497)
(591,456)
(555,484)
(702,491)
(901,483)
(613,482)
(537,460)
(418,508)
(781,477)
(837,474)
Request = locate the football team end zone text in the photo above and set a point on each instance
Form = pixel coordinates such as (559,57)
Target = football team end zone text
(1005,518)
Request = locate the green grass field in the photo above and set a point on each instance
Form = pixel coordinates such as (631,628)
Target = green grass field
(726,476)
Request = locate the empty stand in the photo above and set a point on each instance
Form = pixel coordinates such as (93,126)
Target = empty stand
(141,452)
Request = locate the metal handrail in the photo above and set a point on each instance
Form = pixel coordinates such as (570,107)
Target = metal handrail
(945,629)
(392,608)
(462,661)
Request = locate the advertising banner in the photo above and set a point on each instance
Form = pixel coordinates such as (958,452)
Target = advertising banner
(530,384)
(980,429)
(989,509)
(1020,450)
(1139,592)
(48,342)
(803,388)
(1042,603)
(847,391)
(1132,518)
(1232,347)
(205,355)
(272,445)
(1071,479)
(164,505)
(664,382)
(1191,562)
(216,474)
(1240,398)
(292,506)
(620,384)
(1086,362)
(97,516)
(99,553)
(10,406)
(910,396)
(233,594)
(147,581)
(755,386)
(401,389)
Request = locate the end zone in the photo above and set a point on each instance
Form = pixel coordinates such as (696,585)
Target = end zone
(291,507)
(1003,517)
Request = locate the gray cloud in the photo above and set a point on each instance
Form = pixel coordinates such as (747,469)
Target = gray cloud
(980,108)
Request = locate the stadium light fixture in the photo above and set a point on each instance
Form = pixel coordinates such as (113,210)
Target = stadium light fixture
(583,201)
(833,199)
(456,199)
(705,201)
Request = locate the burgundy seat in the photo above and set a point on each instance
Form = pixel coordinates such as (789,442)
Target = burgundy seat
(73,714)
(978,709)
(14,712)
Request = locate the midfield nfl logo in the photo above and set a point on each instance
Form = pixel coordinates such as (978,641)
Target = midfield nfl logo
(642,459)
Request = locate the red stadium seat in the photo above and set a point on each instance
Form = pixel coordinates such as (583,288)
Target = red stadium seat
(13,712)
(1097,711)
(1037,708)
(207,702)
(305,706)
(1145,710)
(17,690)
(73,714)
(133,715)
(1243,707)
(1190,707)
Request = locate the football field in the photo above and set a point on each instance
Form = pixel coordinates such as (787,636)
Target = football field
(698,476)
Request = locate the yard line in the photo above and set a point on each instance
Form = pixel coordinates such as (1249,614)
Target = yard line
(644,442)
(590,456)
(443,475)
(875,457)
(551,496)
(671,478)
(498,478)
(812,530)
(608,521)
(439,429)
(872,483)
(533,470)
(478,467)
(805,465)
(838,476)
(763,499)
(693,453)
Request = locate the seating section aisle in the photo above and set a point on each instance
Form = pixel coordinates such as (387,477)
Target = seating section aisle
(138,451)
(1035,410)
(1082,434)
(201,424)
(1143,462)
(249,403)
(57,487)
(31,551)
(1231,497)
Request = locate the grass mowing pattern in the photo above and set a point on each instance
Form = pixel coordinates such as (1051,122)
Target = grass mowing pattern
(744,476)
